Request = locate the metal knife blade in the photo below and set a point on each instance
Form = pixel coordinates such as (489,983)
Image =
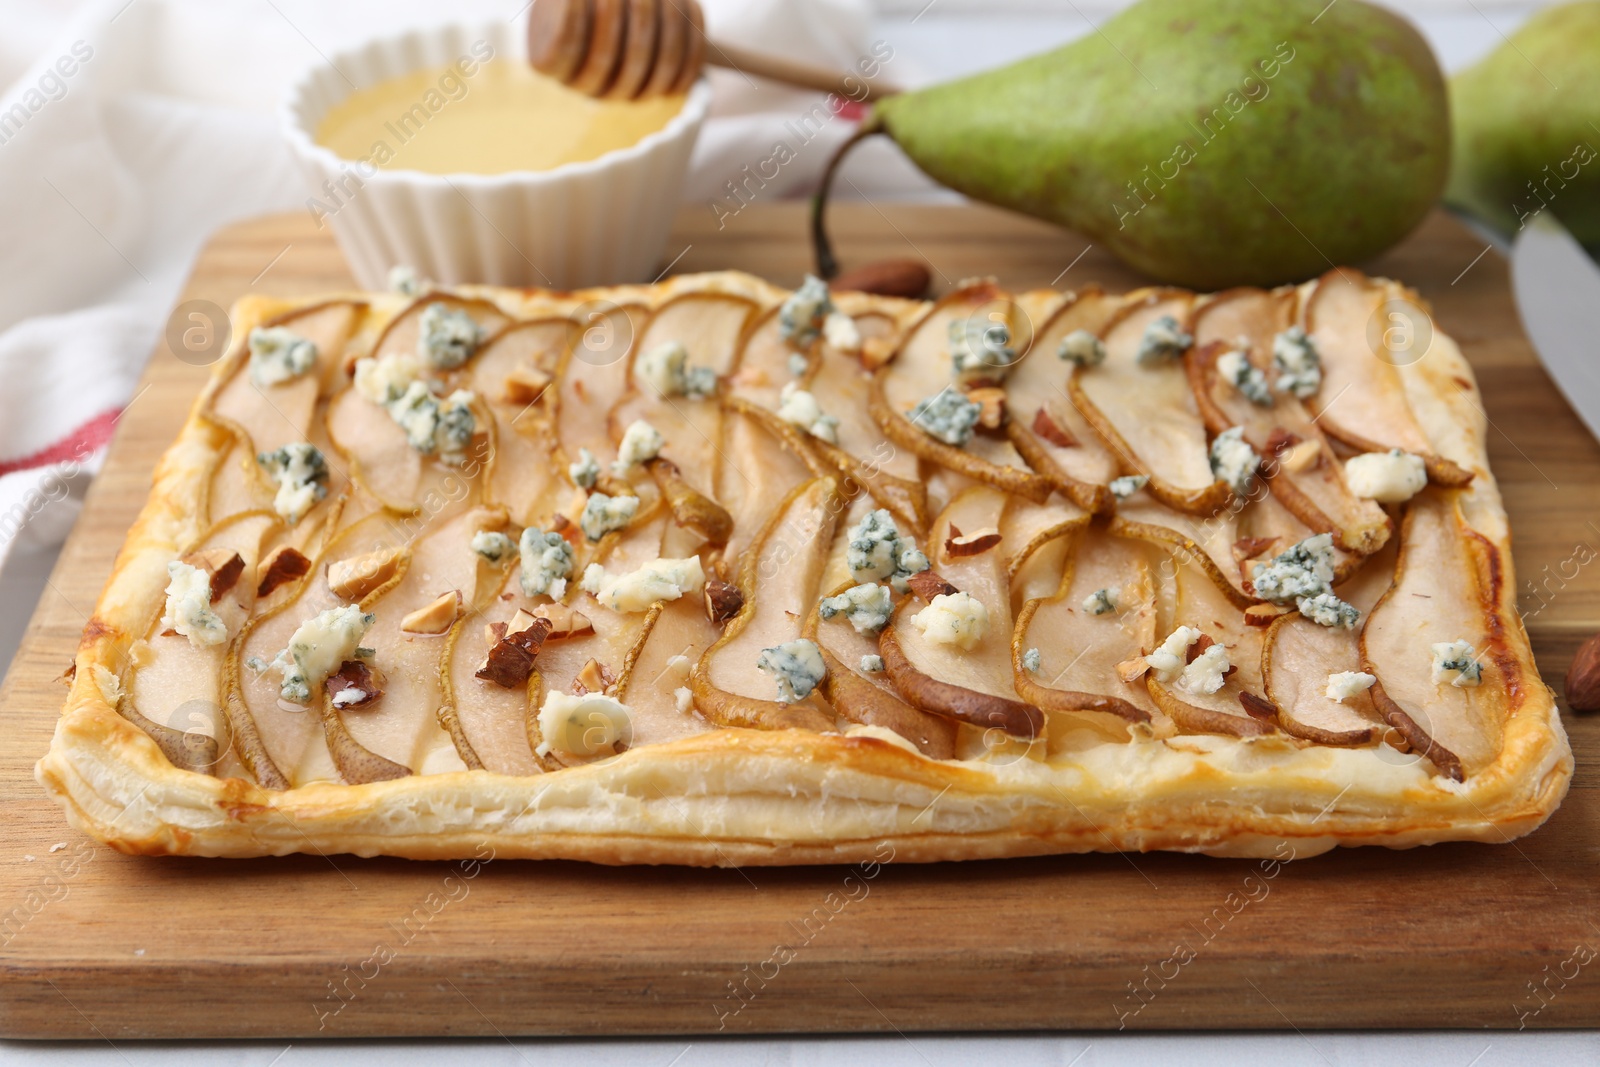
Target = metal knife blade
(1557,288)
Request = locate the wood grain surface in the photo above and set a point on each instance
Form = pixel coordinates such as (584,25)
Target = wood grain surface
(94,944)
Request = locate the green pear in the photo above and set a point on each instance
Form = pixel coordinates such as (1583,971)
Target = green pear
(1208,143)
(1527,126)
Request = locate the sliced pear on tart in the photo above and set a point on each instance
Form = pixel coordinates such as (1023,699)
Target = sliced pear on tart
(923,370)
(1234,331)
(1362,400)
(1076,677)
(972,685)
(1191,598)
(1045,426)
(1298,657)
(779,577)
(1143,409)
(1447,589)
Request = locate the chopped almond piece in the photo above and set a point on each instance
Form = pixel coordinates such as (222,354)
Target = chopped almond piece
(354,578)
(1301,457)
(595,677)
(436,617)
(524,385)
(1263,614)
(723,600)
(925,585)
(1131,670)
(1051,431)
(1280,441)
(991,403)
(284,565)
(1258,707)
(565,622)
(1252,547)
(972,544)
(223,564)
(355,685)
(875,352)
(510,660)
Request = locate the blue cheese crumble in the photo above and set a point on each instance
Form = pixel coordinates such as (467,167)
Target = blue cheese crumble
(665,369)
(1345,684)
(1163,342)
(1233,461)
(602,514)
(278,354)
(1208,672)
(402,279)
(1127,485)
(801,317)
(1083,348)
(189,611)
(1390,477)
(1170,657)
(796,666)
(1298,366)
(1235,368)
(302,477)
(385,380)
(641,442)
(447,337)
(947,416)
(1456,662)
(660,579)
(840,332)
(799,408)
(1103,601)
(1302,572)
(1325,609)
(582,726)
(980,350)
(876,552)
(871,664)
(866,607)
(492,545)
(1031,661)
(318,648)
(433,425)
(546,563)
(585,471)
(958,619)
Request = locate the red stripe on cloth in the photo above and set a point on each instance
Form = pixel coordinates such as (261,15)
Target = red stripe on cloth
(79,445)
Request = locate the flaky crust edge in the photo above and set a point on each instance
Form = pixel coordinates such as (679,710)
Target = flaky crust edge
(740,797)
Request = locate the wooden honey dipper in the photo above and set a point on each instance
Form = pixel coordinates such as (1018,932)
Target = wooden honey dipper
(626,49)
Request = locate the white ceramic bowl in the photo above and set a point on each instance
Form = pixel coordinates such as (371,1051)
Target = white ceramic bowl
(600,222)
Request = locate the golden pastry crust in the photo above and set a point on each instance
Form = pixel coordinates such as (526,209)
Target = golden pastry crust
(737,796)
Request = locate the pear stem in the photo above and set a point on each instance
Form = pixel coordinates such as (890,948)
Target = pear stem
(827,265)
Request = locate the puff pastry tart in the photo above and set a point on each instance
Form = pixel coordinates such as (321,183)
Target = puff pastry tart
(710,572)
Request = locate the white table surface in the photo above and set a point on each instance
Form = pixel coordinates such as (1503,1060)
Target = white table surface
(950,37)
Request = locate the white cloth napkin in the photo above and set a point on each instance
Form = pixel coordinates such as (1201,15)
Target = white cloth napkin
(130,130)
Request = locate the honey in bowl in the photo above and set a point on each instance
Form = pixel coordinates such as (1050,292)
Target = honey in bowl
(490,117)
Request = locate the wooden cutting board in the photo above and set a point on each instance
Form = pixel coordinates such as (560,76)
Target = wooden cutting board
(94,944)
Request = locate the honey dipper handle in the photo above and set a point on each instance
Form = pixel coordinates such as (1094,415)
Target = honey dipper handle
(791,72)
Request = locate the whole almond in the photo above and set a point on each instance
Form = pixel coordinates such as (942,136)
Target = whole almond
(886,277)
(1583,677)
